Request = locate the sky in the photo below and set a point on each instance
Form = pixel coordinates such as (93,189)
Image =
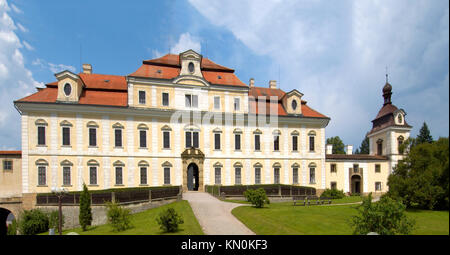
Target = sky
(337,53)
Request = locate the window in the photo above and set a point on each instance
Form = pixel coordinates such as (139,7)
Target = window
(237,142)
(142,138)
(67,89)
(380,147)
(276,143)
(141,97)
(143,175)
(42,176)
(276,175)
(217,179)
(66,175)
(311,143)
(257,143)
(333,185)
(355,168)
(165,99)
(295,175)
(192,139)
(377,186)
(294,143)
(237,104)
(118,137)
(66,136)
(312,175)
(119,175)
(93,175)
(191,101)
(217,103)
(237,175)
(333,168)
(191,67)
(377,168)
(217,141)
(294,104)
(41,135)
(92,137)
(400,119)
(400,142)
(166,175)
(7,165)
(166,140)
(257,175)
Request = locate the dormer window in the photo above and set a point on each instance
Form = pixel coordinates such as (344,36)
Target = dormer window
(400,119)
(67,89)
(294,104)
(191,67)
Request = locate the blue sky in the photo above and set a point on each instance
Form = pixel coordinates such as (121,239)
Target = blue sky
(334,52)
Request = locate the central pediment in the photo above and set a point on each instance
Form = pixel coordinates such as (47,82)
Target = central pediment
(190,72)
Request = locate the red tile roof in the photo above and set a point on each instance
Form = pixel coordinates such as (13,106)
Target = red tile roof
(168,67)
(10,152)
(102,81)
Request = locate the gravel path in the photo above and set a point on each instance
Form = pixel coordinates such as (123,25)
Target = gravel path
(214,215)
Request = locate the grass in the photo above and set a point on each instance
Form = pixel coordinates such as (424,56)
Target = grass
(349,199)
(144,223)
(286,219)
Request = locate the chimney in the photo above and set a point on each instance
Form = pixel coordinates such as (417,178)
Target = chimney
(273,84)
(349,149)
(251,82)
(87,68)
(329,149)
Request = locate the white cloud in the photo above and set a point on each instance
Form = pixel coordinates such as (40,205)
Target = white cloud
(54,68)
(27,46)
(16,81)
(185,42)
(16,9)
(336,53)
(22,28)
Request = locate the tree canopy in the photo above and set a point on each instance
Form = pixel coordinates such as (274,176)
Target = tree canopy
(364,147)
(338,145)
(424,135)
(421,180)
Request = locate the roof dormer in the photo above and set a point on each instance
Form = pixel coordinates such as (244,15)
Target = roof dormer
(70,87)
(399,117)
(292,102)
(190,72)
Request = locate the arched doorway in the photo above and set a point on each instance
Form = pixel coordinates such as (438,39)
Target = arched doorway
(192,177)
(6,218)
(356,184)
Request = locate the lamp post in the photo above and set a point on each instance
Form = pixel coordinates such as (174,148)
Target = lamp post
(59,192)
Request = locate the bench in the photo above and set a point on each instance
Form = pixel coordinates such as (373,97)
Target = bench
(326,200)
(313,200)
(300,199)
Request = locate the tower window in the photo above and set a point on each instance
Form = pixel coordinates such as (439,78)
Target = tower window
(67,89)
(191,67)
(294,104)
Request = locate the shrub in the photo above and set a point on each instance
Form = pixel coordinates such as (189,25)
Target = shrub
(169,220)
(33,222)
(256,197)
(118,217)
(385,217)
(85,216)
(333,193)
(53,220)
(12,228)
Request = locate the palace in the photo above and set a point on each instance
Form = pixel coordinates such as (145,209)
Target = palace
(185,120)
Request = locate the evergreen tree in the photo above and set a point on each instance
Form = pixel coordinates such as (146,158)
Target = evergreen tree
(364,147)
(338,145)
(424,135)
(85,216)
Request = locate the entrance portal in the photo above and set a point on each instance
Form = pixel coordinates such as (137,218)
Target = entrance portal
(192,177)
(356,184)
(5,218)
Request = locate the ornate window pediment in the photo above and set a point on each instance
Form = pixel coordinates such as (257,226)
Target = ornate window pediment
(41,162)
(237,164)
(118,125)
(257,165)
(93,162)
(142,126)
(41,122)
(166,164)
(92,124)
(65,123)
(66,163)
(118,163)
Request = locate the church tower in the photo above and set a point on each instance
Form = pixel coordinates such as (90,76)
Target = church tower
(389,130)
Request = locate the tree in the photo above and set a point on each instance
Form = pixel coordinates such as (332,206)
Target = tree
(338,145)
(364,147)
(421,179)
(85,216)
(385,217)
(257,197)
(169,220)
(424,135)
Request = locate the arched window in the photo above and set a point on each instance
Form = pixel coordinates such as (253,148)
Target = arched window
(143,166)
(312,135)
(276,173)
(217,173)
(166,167)
(258,167)
(379,147)
(257,133)
(66,169)
(295,168)
(118,166)
(400,141)
(166,136)
(237,173)
(276,140)
(142,135)
(93,165)
(41,126)
(42,165)
(312,173)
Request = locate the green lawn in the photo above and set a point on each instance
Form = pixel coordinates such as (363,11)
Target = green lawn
(349,199)
(144,223)
(286,219)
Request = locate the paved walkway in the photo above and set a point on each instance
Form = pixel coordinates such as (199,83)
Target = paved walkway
(214,215)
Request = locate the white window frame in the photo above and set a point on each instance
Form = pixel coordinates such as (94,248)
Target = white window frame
(139,97)
(214,102)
